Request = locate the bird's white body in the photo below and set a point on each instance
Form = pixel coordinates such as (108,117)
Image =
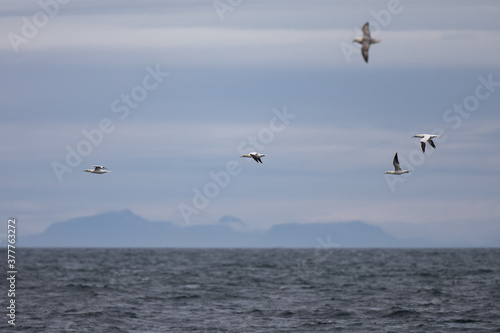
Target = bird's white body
(97,169)
(256,156)
(366,41)
(397,167)
(426,138)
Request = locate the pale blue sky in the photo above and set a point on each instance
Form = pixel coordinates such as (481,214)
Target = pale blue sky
(229,75)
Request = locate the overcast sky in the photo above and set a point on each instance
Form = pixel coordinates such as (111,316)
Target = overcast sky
(169,94)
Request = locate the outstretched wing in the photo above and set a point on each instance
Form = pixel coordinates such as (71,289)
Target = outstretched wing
(431,143)
(395,162)
(366,30)
(364,49)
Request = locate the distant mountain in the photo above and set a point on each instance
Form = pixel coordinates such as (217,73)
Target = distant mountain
(125,229)
(348,234)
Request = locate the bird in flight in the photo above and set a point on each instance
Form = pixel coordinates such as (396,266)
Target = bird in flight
(256,156)
(397,167)
(426,138)
(366,41)
(98,169)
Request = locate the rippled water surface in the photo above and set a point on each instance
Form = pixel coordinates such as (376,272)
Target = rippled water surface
(260,290)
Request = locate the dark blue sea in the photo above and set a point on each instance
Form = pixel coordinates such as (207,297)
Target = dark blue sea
(256,290)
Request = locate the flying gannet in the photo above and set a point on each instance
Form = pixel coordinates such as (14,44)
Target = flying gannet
(397,167)
(98,169)
(426,138)
(256,156)
(365,41)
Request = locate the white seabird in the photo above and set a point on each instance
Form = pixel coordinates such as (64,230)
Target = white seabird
(426,138)
(397,167)
(365,41)
(256,156)
(97,169)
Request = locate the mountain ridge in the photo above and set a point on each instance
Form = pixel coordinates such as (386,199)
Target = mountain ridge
(126,229)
